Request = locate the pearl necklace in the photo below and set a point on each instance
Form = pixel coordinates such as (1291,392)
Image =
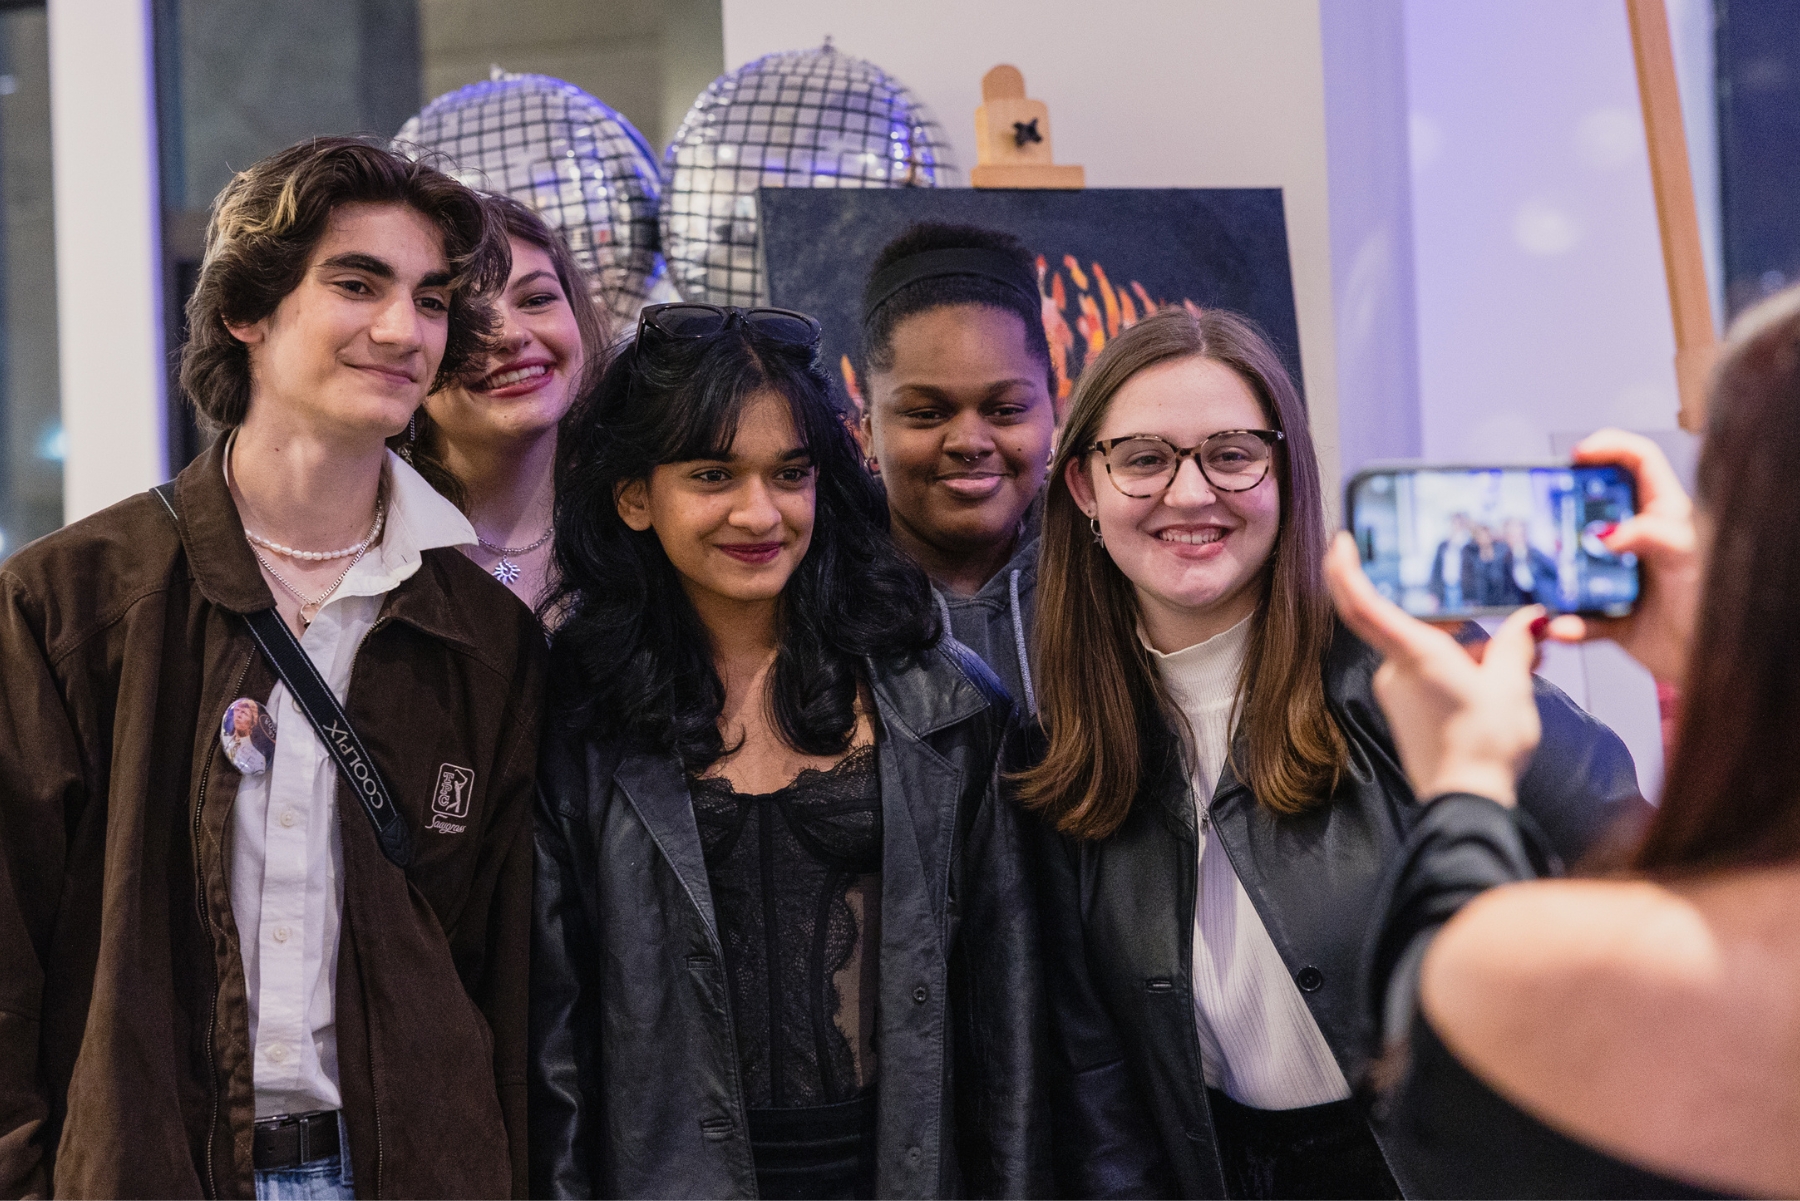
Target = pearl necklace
(324,556)
(309,606)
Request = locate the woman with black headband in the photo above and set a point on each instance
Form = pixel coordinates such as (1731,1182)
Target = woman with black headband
(784,943)
(958,421)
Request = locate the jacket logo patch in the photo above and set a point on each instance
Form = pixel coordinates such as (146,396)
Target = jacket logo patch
(450,800)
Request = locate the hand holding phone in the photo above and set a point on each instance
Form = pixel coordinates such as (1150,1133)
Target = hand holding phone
(1454,542)
(1659,630)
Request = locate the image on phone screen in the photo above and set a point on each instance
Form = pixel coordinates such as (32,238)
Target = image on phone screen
(1472,541)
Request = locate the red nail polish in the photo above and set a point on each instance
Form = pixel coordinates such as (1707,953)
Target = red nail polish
(1606,531)
(1540,626)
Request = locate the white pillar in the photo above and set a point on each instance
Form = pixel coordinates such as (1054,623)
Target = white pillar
(108,250)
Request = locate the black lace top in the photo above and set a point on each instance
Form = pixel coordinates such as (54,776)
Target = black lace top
(796,884)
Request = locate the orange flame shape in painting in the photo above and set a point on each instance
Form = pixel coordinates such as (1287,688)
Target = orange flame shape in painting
(1081,322)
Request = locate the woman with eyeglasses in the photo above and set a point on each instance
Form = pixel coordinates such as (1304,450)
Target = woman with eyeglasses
(785,946)
(1221,796)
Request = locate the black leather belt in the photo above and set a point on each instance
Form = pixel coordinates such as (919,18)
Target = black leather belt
(291,1140)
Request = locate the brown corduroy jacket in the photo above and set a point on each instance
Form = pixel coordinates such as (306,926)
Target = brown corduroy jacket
(125,1060)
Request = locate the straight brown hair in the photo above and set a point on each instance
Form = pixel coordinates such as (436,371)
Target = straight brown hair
(1733,798)
(265,225)
(1100,697)
(423,441)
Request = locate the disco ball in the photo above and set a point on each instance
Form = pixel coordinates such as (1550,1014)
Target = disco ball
(584,169)
(804,119)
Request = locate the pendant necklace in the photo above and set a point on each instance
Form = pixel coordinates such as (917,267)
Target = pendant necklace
(507,571)
(309,606)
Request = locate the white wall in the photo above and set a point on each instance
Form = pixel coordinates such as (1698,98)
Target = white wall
(1147,93)
(1542,305)
(1366,109)
(108,251)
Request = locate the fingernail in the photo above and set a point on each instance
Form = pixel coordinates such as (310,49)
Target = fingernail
(1540,626)
(1606,531)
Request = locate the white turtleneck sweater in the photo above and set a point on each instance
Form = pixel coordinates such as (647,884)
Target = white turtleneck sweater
(1259,1043)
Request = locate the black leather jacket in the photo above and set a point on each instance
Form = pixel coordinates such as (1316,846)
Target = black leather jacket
(634,1089)
(1130,1106)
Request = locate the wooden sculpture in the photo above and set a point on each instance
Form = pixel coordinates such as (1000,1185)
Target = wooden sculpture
(1012,138)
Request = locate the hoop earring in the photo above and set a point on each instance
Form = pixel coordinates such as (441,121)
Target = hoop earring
(1094,525)
(412,435)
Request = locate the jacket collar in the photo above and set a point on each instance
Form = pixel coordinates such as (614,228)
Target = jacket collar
(932,692)
(225,570)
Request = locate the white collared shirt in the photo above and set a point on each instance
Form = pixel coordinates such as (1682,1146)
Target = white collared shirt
(287,889)
(1259,1043)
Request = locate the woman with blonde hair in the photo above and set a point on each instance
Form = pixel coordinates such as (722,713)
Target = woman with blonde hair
(1220,794)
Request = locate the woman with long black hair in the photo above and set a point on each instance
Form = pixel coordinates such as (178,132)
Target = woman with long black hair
(784,944)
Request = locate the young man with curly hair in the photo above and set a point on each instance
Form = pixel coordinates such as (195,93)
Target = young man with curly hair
(299,973)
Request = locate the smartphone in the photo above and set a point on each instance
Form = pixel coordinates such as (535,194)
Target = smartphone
(1456,542)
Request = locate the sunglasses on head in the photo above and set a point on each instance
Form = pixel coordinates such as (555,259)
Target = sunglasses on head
(685,322)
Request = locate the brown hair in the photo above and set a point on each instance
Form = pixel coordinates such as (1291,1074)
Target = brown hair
(594,322)
(268,220)
(1734,792)
(1099,695)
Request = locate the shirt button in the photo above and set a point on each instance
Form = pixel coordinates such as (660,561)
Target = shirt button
(1310,979)
(278,1053)
(281,933)
(921,995)
(288,817)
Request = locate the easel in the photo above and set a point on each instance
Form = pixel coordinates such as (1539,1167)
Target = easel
(1690,302)
(1012,138)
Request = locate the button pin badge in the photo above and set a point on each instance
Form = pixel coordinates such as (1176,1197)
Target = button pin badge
(248,735)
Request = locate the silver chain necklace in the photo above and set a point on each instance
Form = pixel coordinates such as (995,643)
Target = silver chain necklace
(507,571)
(309,606)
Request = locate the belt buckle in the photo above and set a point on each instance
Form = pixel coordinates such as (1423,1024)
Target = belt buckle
(285,1141)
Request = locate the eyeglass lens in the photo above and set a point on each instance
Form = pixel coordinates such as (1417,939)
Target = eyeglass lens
(705,320)
(687,320)
(1234,462)
(783,327)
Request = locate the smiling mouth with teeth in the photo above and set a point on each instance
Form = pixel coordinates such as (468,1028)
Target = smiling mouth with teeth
(1190,537)
(506,379)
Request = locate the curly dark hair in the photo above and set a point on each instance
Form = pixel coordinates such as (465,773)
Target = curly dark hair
(268,220)
(633,660)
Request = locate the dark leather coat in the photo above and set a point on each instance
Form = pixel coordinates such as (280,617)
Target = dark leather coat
(635,1088)
(1131,1115)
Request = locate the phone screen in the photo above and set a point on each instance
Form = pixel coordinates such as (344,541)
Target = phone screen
(1470,541)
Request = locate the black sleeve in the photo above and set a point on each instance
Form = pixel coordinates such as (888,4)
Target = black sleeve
(1461,847)
(1581,783)
(564,1004)
(1003,1121)
(1105,1143)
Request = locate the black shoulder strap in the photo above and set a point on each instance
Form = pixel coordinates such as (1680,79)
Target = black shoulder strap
(329,722)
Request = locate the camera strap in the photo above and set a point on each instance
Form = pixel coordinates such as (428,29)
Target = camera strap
(327,716)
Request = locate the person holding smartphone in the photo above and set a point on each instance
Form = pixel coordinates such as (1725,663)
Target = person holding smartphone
(1220,797)
(488,442)
(957,422)
(1632,1034)
(785,944)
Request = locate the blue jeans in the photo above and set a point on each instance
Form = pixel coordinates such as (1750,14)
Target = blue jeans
(320,1180)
